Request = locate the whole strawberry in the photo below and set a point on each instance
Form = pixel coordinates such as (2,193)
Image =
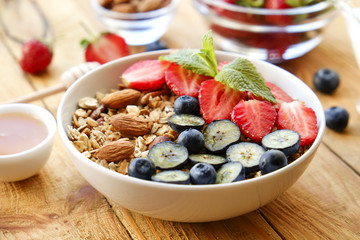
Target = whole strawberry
(36,56)
(105,48)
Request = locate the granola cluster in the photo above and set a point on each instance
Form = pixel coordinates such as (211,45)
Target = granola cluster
(92,128)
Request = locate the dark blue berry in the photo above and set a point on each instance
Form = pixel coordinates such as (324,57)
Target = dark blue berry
(272,160)
(337,118)
(326,80)
(202,173)
(186,105)
(158,45)
(192,139)
(141,168)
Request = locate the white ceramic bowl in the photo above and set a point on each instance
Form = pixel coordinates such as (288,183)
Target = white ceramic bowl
(22,165)
(189,203)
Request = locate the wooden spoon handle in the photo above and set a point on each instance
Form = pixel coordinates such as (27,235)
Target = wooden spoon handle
(67,78)
(39,94)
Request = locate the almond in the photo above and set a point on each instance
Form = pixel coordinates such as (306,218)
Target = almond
(115,151)
(131,125)
(159,139)
(121,98)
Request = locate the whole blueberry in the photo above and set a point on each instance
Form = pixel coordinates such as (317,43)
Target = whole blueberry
(186,105)
(192,139)
(141,168)
(326,80)
(272,160)
(202,173)
(337,118)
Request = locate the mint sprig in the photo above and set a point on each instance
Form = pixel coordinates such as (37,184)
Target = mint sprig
(201,62)
(240,74)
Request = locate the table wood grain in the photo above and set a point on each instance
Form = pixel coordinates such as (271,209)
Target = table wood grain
(58,203)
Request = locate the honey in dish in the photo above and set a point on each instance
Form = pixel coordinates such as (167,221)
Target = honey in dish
(20,132)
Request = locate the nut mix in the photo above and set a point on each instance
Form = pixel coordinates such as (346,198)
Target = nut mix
(112,134)
(133,6)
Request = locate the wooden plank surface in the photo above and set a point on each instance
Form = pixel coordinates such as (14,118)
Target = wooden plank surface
(59,204)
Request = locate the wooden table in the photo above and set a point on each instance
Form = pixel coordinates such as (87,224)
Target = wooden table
(58,203)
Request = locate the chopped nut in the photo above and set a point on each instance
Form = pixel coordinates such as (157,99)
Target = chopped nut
(88,103)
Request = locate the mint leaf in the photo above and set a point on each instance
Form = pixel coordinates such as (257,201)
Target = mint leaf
(241,75)
(201,62)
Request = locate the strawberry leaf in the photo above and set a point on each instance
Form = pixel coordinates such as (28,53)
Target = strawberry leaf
(201,62)
(241,75)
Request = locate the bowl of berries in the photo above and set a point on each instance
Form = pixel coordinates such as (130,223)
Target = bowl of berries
(190,135)
(138,22)
(271,30)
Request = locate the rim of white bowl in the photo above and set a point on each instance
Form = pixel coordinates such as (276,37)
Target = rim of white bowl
(135,16)
(320,115)
(45,117)
(264,11)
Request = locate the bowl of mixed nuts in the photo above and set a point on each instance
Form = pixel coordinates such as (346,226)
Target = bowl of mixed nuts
(138,22)
(170,135)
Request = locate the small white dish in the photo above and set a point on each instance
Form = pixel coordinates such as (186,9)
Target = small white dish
(24,164)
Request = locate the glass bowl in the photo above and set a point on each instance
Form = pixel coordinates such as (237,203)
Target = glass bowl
(140,28)
(274,35)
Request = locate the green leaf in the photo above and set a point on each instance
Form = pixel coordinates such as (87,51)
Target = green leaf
(201,62)
(241,74)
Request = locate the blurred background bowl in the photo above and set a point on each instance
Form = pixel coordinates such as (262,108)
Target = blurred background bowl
(140,28)
(274,35)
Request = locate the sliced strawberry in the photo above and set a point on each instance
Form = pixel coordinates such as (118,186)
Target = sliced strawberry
(182,81)
(221,65)
(217,100)
(300,118)
(255,118)
(147,75)
(278,93)
(105,48)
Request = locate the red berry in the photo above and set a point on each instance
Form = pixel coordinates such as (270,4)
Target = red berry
(182,81)
(218,100)
(105,48)
(36,56)
(280,20)
(147,75)
(278,93)
(299,118)
(255,118)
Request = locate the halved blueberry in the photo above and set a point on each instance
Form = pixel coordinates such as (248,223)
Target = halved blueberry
(230,172)
(202,173)
(212,159)
(247,153)
(141,168)
(182,122)
(168,155)
(192,139)
(272,160)
(186,105)
(220,134)
(285,140)
(172,176)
